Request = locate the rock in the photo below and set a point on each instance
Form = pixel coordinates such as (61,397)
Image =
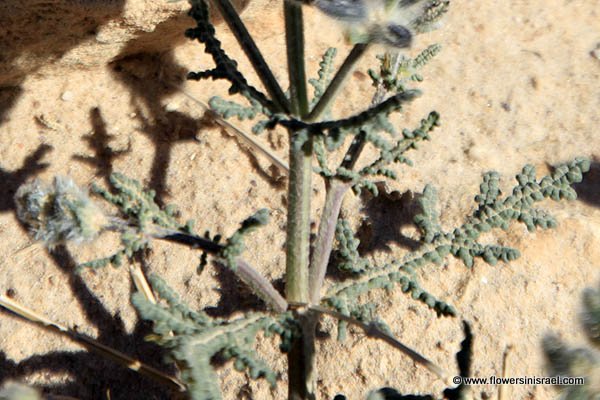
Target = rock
(85,33)
(67,96)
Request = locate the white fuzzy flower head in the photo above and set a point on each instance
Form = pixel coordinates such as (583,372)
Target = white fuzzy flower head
(59,212)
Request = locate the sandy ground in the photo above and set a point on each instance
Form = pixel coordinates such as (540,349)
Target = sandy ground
(515,84)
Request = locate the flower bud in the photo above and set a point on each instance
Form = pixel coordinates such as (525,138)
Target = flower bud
(59,212)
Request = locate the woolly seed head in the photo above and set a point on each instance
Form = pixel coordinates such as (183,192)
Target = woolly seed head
(59,212)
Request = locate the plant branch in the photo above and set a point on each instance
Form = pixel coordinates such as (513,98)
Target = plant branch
(294,33)
(260,286)
(336,83)
(301,366)
(231,128)
(358,143)
(390,104)
(372,330)
(262,69)
(226,68)
(244,271)
(336,190)
(300,159)
(298,228)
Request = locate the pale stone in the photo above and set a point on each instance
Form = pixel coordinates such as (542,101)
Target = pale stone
(67,96)
(67,34)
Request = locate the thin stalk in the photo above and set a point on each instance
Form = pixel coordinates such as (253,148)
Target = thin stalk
(372,330)
(231,128)
(140,282)
(244,271)
(294,33)
(260,286)
(336,190)
(336,83)
(262,69)
(92,344)
(334,196)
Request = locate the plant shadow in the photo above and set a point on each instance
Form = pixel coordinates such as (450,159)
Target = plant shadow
(99,142)
(90,375)
(11,181)
(386,214)
(588,191)
(150,78)
(235,295)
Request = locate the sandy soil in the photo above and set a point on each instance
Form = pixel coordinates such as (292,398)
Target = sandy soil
(515,84)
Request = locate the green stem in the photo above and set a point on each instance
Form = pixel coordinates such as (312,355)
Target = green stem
(301,356)
(301,365)
(298,227)
(294,33)
(299,189)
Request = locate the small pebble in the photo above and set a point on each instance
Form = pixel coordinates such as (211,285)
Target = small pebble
(67,96)
(596,52)
(172,106)
(484,280)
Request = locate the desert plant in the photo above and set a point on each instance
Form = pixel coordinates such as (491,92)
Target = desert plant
(584,362)
(60,211)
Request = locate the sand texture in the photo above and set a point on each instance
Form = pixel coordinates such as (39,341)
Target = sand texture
(517,82)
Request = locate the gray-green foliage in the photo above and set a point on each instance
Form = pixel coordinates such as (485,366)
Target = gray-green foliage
(428,220)
(563,360)
(141,217)
(348,259)
(462,242)
(389,154)
(194,338)
(326,69)
(235,244)
(396,79)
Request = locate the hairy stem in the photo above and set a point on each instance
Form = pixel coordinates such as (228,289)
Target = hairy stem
(262,69)
(298,227)
(294,33)
(244,271)
(301,355)
(301,365)
(299,186)
(336,190)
